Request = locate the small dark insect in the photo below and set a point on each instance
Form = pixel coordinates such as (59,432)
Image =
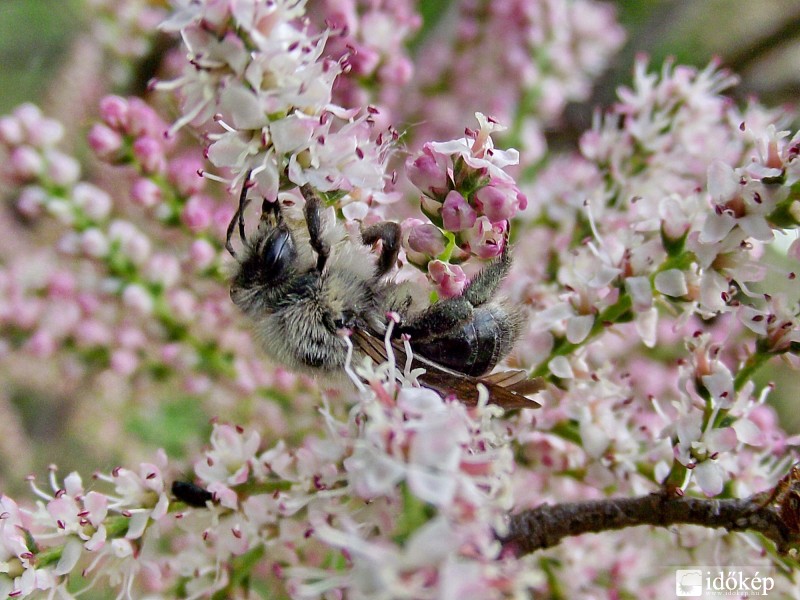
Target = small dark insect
(302,280)
(191,494)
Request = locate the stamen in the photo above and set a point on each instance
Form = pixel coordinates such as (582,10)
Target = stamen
(348,361)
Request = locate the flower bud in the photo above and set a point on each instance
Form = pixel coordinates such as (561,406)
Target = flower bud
(62,169)
(11,132)
(457,214)
(114,111)
(150,154)
(104,141)
(428,173)
(145,192)
(138,299)
(25,163)
(46,134)
(201,254)
(426,239)
(197,213)
(499,201)
(95,202)
(183,175)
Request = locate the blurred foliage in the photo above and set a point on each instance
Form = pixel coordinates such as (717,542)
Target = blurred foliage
(34,37)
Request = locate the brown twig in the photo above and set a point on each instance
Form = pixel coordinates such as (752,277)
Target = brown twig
(546,525)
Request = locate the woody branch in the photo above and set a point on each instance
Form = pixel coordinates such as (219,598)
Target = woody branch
(546,525)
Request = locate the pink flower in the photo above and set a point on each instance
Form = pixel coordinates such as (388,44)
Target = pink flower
(450,280)
(487,239)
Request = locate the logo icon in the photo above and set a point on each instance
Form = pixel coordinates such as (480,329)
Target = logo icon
(689,583)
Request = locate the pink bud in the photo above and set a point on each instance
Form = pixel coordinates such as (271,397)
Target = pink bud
(92,333)
(62,169)
(457,214)
(143,121)
(114,111)
(41,344)
(150,154)
(94,243)
(31,200)
(450,280)
(145,192)
(25,163)
(183,174)
(124,362)
(197,213)
(95,202)
(29,115)
(164,269)
(499,201)
(104,141)
(61,285)
(364,60)
(11,132)
(426,239)
(138,299)
(428,173)
(182,304)
(47,133)
(201,254)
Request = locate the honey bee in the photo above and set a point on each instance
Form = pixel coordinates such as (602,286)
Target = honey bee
(303,280)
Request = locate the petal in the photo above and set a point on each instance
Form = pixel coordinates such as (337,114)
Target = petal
(560,367)
(748,432)
(578,327)
(709,477)
(671,282)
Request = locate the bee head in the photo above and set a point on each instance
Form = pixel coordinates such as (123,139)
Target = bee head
(267,256)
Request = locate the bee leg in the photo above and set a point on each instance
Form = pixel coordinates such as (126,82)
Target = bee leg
(389,234)
(484,285)
(437,319)
(314,223)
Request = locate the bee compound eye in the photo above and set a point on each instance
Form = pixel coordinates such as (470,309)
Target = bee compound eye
(278,251)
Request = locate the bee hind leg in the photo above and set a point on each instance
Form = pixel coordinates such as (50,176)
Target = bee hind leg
(314,223)
(438,319)
(389,233)
(484,285)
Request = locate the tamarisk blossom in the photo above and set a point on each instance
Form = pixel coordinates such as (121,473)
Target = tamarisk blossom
(266,83)
(469,197)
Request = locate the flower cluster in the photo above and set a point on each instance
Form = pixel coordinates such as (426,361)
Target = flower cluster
(268,86)
(469,200)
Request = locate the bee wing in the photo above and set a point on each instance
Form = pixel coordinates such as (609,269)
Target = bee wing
(507,389)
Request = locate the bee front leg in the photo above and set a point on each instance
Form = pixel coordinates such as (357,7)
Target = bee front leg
(314,223)
(389,233)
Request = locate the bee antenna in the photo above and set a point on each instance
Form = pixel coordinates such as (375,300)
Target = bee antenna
(238,216)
